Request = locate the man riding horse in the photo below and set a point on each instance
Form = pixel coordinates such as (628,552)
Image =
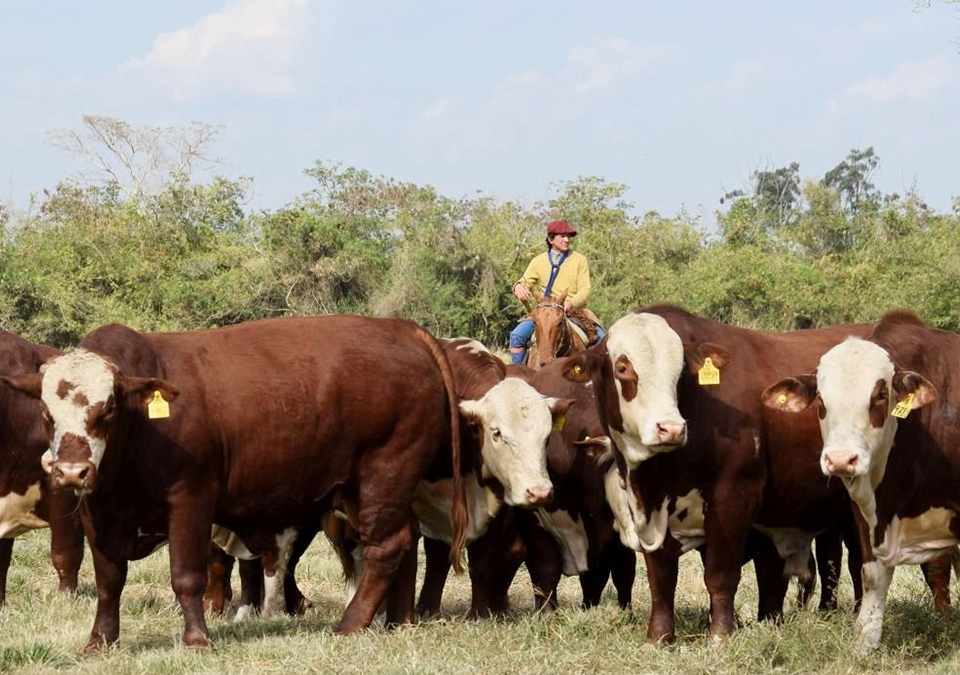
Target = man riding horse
(558,272)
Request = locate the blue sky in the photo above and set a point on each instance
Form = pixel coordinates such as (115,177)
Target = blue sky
(681,101)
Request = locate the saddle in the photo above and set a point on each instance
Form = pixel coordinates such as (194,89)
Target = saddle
(585,322)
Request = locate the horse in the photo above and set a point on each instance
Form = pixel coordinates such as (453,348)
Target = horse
(553,335)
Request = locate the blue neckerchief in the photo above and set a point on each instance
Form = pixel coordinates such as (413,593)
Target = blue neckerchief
(554,268)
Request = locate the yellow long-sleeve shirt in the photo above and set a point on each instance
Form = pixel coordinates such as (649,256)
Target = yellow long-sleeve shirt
(573,277)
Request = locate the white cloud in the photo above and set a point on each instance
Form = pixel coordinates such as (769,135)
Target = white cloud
(441,108)
(247,47)
(911,80)
(745,75)
(608,60)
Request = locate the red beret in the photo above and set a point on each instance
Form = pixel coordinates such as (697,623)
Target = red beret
(560,227)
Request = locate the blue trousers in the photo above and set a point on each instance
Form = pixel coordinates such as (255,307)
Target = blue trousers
(520,336)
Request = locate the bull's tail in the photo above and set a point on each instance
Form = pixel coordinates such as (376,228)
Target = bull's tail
(458,505)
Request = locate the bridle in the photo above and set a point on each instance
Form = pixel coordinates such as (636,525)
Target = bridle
(564,340)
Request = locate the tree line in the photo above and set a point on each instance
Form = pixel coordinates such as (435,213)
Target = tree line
(788,252)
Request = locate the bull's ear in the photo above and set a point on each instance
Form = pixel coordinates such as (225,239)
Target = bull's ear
(471,411)
(907,382)
(140,390)
(559,406)
(695,353)
(26,384)
(581,367)
(791,394)
(597,448)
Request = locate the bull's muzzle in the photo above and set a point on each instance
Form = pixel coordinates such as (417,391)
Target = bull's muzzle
(672,433)
(540,496)
(81,477)
(841,463)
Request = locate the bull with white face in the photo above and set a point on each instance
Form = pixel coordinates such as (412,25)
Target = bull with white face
(515,421)
(635,372)
(81,390)
(857,388)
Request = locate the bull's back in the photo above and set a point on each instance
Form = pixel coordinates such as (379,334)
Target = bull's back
(296,399)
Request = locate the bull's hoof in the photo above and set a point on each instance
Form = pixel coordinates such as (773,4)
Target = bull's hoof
(196,639)
(97,643)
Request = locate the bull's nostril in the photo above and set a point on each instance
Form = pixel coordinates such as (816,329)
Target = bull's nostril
(83,474)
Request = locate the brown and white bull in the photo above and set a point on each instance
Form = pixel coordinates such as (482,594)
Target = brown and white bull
(271,424)
(900,464)
(701,459)
(505,426)
(26,502)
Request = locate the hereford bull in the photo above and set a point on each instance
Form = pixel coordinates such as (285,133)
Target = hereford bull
(576,535)
(741,467)
(268,425)
(26,502)
(901,468)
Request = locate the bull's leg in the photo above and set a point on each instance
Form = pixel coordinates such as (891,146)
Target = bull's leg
(383,555)
(275,560)
(6,553)
(662,570)
(936,572)
(251,588)
(295,600)
(829,560)
(592,583)
(189,532)
(624,572)
(494,560)
(218,592)
(400,600)
(437,555)
(111,575)
(876,583)
(728,526)
(855,542)
(544,562)
(66,538)
(771,583)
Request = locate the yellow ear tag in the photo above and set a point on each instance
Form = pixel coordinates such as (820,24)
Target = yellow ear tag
(577,369)
(158,408)
(709,374)
(903,408)
(782,399)
(560,423)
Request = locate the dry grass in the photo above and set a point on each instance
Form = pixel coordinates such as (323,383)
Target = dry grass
(42,631)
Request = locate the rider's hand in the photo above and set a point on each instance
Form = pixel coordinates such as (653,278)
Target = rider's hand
(567,305)
(521,291)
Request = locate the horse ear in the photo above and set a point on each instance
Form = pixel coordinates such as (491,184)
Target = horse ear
(563,296)
(538,296)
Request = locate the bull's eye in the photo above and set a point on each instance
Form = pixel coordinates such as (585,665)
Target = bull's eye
(495,434)
(821,409)
(882,396)
(621,369)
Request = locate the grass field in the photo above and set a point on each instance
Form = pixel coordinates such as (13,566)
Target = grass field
(42,631)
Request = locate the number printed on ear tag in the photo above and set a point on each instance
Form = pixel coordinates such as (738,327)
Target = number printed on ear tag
(158,408)
(708,374)
(903,408)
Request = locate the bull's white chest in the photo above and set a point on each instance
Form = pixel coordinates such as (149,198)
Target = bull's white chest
(684,522)
(432,501)
(625,508)
(911,541)
(16,512)
(572,537)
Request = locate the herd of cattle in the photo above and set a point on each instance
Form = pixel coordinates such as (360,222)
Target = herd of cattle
(674,433)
